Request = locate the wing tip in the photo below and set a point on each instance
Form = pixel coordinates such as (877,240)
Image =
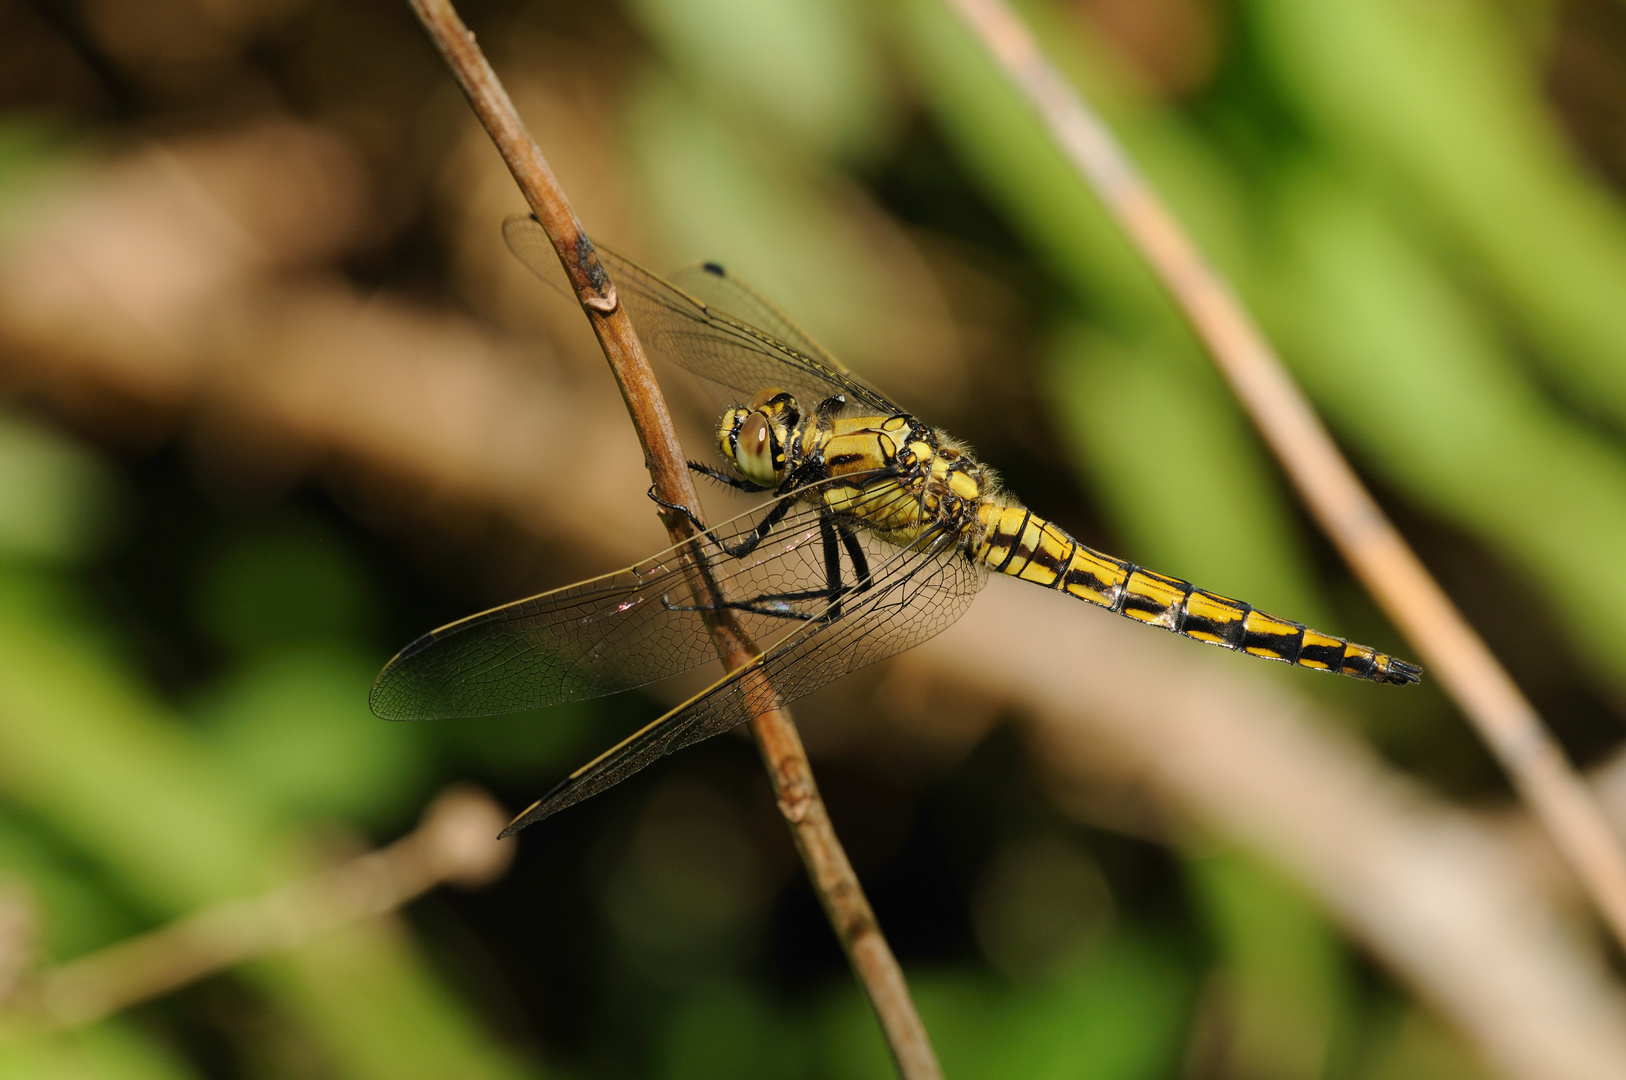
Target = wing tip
(545,807)
(383,699)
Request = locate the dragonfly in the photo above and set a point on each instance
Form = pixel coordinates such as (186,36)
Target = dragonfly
(876,532)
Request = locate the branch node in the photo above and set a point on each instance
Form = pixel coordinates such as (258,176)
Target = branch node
(796,803)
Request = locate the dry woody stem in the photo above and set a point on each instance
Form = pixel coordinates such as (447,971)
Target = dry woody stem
(1390,570)
(452,844)
(775,733)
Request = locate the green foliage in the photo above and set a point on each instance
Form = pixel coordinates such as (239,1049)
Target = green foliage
(109,1051)
(1112,1014)
(1284,983)
(1436,104)
(800,68)
(271,589)
(57,502)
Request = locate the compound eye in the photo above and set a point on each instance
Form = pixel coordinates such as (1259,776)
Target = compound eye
(754,450)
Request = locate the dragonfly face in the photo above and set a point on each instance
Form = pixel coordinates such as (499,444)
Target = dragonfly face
(755,438)
(878,532)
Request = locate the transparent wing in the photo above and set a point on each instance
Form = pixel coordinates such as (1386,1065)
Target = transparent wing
(917,591)
(721,345)
(628,628)
(726,294)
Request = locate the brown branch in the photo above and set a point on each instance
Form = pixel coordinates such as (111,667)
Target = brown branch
(452,844)
(1380,557)
(776,736)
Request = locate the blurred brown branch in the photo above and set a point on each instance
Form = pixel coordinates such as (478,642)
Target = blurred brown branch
(789,771)
(1380,557)
(452,844)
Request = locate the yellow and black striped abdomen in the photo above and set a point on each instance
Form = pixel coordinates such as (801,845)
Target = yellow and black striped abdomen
(1021,544)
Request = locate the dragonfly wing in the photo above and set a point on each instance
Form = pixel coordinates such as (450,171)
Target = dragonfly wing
(723,347)
(615,632)
(725,293)
(915,593)
(573,643)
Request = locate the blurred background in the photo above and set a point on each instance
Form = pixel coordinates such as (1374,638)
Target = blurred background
(274,400)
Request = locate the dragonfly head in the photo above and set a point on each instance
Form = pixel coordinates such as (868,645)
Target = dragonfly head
(755,437)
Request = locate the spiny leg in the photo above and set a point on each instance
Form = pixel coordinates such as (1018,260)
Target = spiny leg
(723,478)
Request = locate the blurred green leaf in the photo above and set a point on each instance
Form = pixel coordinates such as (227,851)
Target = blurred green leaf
(804,71)
(281,585)
(1287,985)
(1116,1014)
(57,499)
(1439,106)
(295,724)
(1421,384)
(726,1031)
(113,1050)
(85,749)
(1008,152)
(75,911)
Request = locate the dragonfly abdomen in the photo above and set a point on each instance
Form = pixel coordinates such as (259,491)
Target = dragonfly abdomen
(1017,542)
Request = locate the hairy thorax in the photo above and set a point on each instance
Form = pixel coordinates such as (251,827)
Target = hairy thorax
(904,476)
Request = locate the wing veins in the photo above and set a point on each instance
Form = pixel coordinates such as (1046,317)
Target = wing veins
(675,729)
(565,644)
(760,359)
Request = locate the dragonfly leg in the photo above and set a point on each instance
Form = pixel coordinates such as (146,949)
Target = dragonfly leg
(772,605)
(832,563)
(778,605)
(677,507)
(744,547)
(723,478)
(764,527)
(855,552)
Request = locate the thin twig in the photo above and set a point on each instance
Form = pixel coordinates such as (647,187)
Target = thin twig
(452,844)
(1370,544)
(776,736)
